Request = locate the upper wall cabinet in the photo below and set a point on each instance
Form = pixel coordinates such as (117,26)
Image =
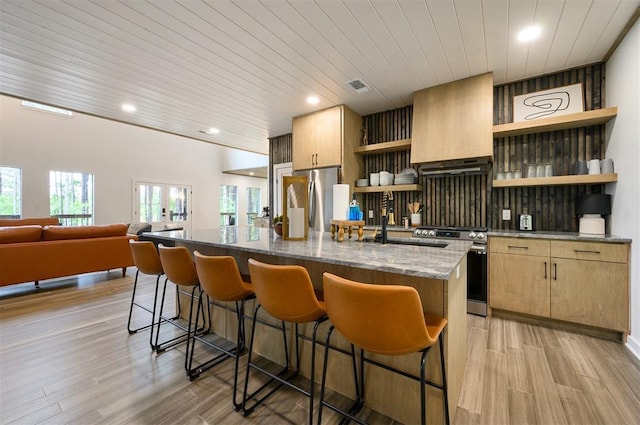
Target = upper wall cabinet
(453,121)
(326,139)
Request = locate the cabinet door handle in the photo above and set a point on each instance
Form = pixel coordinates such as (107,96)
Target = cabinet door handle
(545,270)
(312,160)
(517,247)
(555,271)
(316,159)
(585,251)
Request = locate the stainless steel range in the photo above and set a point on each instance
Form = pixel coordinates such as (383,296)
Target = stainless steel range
(476,261)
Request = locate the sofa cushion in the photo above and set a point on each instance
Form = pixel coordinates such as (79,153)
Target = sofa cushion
(17,234)
(44,221)
(57,233)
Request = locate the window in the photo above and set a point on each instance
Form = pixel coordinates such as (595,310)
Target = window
(71,197)
(228,205)
(162,205)
(46,108)
(253,204)
(10,191)
(150,203)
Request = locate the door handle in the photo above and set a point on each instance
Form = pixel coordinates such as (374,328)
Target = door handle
(555,271)
(517,247)
(545,270)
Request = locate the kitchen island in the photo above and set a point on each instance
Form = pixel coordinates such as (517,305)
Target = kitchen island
(437,273)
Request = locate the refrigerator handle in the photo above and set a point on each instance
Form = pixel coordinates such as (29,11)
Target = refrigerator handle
(312,203)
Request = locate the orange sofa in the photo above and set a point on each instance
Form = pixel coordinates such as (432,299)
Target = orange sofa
(36,249)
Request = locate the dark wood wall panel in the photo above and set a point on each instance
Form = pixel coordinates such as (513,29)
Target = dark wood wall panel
(470,200)
(280,151)
(448,201)
(553,207)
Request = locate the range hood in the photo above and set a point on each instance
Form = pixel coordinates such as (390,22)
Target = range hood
(470,166)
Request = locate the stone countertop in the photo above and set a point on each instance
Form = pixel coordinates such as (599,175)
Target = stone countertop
(419,261)
(567,236)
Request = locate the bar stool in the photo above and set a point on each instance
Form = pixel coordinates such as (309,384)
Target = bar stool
(287,294)
(179,269)
(146,259)
(382,319)
(220,280)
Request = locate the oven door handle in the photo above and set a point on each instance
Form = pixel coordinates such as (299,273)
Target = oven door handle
(478,249)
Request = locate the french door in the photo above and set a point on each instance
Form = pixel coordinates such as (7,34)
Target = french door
(162,205)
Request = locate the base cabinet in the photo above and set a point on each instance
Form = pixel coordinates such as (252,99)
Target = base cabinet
(579,282)
(518,283)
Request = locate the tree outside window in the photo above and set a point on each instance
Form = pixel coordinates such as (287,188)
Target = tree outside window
(10,192)
(71,197)
(253,203)
(228,205)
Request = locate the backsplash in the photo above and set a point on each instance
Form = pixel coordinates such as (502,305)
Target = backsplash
(470,200)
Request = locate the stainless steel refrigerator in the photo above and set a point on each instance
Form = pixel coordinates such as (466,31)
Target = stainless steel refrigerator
(320,188)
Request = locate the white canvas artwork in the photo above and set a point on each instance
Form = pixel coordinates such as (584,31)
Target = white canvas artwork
(548,103)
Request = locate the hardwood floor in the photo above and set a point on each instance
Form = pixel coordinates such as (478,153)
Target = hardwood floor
(66,357)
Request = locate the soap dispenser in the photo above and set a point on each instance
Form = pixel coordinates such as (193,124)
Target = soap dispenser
(354,209)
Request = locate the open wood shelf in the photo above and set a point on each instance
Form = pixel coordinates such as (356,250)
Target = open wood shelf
(558,180)
(562,122)
(395,146)
(392,188)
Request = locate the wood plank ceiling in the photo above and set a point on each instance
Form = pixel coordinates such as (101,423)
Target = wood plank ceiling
(246,67)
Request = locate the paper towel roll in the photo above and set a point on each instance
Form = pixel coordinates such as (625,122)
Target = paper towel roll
(341,201)
(296,222)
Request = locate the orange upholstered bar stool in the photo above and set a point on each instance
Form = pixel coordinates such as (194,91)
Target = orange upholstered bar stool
(381,319)
(145,257)
(180,270)
(286,293)
(220,281)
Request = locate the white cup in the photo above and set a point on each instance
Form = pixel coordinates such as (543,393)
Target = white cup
(548,170)
(416,219)
(384,178)
(540,170)
(606,166)
(509,175)
(374,179)
(531,171)
(594,166)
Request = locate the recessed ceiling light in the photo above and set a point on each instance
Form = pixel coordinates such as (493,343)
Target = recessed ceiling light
(127,107)
(213,130)
(529,33)
(251,173)
(313,100)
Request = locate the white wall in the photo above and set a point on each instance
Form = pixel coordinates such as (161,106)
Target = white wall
(234,159)
(117,154)
(623,91)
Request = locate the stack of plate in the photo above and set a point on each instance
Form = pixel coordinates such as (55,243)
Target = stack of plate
(362,182)
(405,179)
(406,176)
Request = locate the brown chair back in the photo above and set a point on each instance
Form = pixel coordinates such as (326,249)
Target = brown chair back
(145,257)
(285,292)
(178,265)
(383,319)
(220,278)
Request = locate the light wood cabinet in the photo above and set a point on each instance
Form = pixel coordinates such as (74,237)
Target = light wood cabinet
(573,281)
(590,284)
(326,138)
(518,276)
(453,121)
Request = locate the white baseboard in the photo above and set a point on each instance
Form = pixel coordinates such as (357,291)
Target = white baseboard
(633,344)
